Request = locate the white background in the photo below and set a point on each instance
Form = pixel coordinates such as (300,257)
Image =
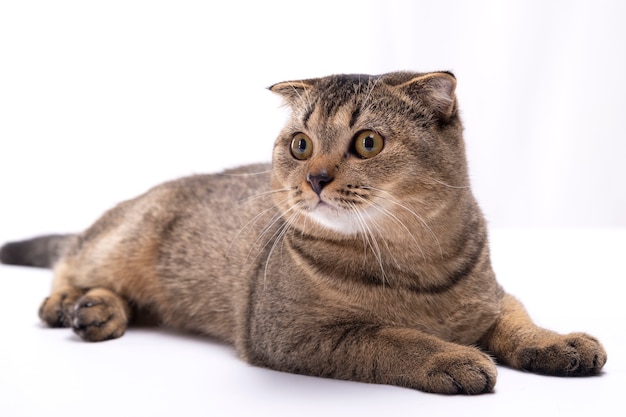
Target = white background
(101,100)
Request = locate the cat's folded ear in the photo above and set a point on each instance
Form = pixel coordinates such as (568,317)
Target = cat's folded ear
(293,91)
(436,88)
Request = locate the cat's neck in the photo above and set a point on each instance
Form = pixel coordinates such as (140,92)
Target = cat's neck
(407,249)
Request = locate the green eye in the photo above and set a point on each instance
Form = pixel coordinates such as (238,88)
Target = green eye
(368,144)
(301,146)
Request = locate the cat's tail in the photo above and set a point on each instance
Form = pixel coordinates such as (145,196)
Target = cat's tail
(41,251)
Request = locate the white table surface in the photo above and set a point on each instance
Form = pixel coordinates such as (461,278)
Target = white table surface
(570,280)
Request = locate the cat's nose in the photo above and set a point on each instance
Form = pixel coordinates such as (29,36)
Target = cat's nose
(318,180)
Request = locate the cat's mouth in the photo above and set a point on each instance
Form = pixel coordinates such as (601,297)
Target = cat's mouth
(325,208)
(337,218)
(324,205)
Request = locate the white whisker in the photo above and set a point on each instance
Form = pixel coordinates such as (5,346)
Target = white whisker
(243,174)
(390,198)
(275,219)
(394,218)
(278,237)
(370,239)
(448,185)
(377,228)
(260,195)
(250,223)
(258,215)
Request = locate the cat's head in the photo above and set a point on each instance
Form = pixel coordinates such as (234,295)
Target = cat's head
(362,151)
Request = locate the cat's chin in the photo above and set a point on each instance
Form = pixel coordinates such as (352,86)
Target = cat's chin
(337,219)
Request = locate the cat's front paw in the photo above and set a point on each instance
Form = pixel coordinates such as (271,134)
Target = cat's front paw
(462,371)
(100,315)
(575,354)
(57,310)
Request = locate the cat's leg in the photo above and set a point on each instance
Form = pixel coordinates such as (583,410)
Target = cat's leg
(100,315)
(407,357)
(58,308)
(517,342)
(95,315)
(374,354)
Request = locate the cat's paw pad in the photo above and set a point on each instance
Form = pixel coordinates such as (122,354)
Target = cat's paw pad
(99,317)
(464,372)
(57,310)
(576,354)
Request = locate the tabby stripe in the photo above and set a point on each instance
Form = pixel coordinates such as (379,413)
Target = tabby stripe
(328,269)
(465,269)
(307,115)
(457,276)
(338,101)
(355,116)
(306,256)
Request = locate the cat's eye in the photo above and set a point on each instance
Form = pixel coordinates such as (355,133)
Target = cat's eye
(301,146)
(368,144)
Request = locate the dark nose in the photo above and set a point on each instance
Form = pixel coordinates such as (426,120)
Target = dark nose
(318,180)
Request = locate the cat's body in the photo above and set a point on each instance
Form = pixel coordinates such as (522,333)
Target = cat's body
(359,254)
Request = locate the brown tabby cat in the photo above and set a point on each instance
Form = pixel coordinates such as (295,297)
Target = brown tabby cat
(360,254)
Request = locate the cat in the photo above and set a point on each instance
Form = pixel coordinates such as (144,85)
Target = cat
(360,253)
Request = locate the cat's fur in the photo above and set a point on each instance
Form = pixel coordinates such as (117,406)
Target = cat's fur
(368,269)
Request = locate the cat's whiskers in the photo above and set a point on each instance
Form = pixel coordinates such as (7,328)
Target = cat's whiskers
(272,221)
(253,197)
(370,238)
(395,219)
(258,216)
(251,222)
(390,198)
(365,238)
(266,229)
(243,174)
(380,230)
(304,224)
(279,235)
(448,185)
